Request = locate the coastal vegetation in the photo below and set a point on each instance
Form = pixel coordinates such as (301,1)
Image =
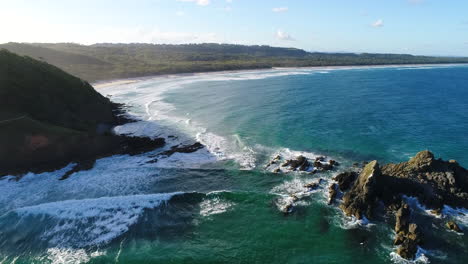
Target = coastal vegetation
(110,61)
(49,118)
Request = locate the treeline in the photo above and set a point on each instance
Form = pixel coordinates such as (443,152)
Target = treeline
(108,61)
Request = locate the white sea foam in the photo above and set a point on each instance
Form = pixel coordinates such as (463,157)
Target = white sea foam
(225,149)
(212,206)
(460,215)
(91,221)
(351,222)
(286,154)
(420,258)
(68,255)
(146,100)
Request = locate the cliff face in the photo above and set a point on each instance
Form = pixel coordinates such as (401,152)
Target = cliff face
(49,118)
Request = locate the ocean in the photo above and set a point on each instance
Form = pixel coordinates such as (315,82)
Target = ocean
(221,204)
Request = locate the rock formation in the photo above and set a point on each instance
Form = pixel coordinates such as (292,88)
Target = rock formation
(345,179)
(433,181)
(361,199)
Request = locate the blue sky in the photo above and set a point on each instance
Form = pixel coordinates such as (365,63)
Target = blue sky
(429,27)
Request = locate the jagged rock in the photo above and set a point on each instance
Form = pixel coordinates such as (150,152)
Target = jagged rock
(300,163)
(277,170)
(332,162)
(314,185)
(326,167)
(275,160)
(453,226)
(407,249)
(408,236)
(183,149)
(433,181)
(361,199)
(345,179)
(402,218)
(437,211)
(355,164)
(320,158)
(332,192)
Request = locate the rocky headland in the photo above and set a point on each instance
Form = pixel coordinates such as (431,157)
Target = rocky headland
(380,193)
(49,118)
(379,190)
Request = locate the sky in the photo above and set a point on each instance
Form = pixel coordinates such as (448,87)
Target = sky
(422,27)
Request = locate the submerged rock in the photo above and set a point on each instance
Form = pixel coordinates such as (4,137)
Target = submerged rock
(183,149)
(361,199)
(453,226)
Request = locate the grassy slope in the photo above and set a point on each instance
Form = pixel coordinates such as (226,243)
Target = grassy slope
(46,93)
(48,117)
(109,61)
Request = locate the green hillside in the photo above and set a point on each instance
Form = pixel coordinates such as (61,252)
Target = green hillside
(48,94)
(110,61)
(47,117)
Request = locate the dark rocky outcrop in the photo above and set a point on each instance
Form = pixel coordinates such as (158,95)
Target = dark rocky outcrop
(408,241)
(360,201)
(408,236)
(433,181)
(183,149)
(332,193)
(49,118)
(345,179)
(299,163)
(453,226)
(177,149)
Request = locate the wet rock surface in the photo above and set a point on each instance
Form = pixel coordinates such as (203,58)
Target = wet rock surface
(361,199)
(345,179)
(433,182)
(300,164)
(452,225)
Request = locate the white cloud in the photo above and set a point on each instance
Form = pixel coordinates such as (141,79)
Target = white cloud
(280,9)
(228,1)
(198,2)
(378,23)
(180,13)
(281,35)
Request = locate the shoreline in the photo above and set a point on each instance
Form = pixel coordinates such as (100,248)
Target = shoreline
(120,81)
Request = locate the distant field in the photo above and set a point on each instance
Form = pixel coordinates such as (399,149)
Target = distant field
(111,61)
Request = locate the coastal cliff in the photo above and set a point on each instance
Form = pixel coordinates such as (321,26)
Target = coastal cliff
(49,118)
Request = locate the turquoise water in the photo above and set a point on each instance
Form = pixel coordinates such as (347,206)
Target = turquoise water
(220,204)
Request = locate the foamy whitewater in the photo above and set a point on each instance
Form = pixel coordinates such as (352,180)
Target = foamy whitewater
(223,203)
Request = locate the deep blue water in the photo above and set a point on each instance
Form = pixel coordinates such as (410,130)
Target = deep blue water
(387,114)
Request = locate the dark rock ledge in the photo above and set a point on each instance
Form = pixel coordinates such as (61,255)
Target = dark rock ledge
(433,181)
